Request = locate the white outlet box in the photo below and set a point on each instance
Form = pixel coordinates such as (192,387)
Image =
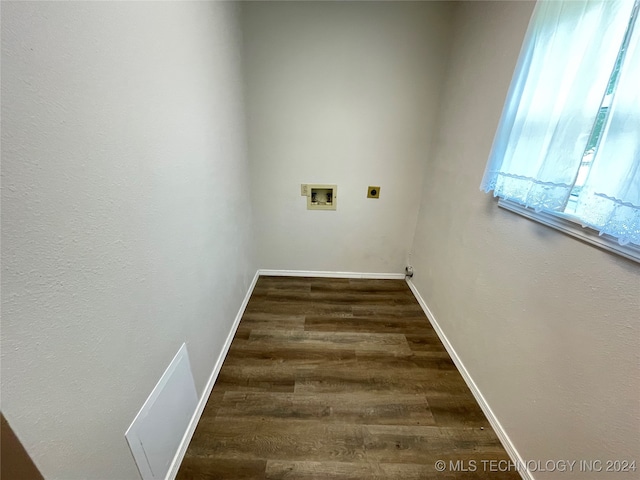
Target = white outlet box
(322,197)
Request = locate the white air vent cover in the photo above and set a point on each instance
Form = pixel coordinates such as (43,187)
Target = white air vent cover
(156,433)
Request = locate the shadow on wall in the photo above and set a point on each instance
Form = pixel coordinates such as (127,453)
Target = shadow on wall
(15,463)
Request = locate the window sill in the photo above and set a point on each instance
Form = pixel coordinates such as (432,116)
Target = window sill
(571,227)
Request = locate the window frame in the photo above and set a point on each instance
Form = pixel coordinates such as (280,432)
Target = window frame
(572,226)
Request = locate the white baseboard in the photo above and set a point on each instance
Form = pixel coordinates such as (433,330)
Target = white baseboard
(184,444)
(493,420)
(316,273)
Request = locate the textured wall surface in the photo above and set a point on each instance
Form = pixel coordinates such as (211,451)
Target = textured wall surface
(126,217)
(343,93)
(547,326)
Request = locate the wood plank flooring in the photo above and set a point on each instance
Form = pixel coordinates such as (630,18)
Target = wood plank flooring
(339,379)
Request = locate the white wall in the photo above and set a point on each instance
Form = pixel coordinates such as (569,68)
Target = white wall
(126,220)
(343,93)
(547,326)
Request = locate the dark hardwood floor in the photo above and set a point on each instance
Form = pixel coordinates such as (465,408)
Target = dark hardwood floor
(340,379)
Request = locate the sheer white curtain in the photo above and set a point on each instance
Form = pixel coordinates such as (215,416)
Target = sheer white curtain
(566,60)
(610,198)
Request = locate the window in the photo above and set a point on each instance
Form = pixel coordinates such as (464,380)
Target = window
(568,143)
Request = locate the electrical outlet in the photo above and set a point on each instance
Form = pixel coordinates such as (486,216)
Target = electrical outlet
(373,192)
(304,190)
